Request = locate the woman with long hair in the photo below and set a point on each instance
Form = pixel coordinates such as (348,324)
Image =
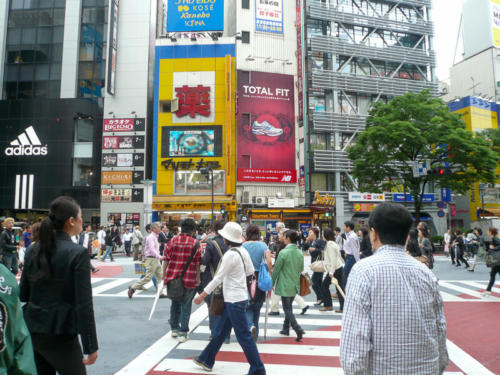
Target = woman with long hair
(494,246)
(55,284)
(258,252)
(412,246)
(334,269)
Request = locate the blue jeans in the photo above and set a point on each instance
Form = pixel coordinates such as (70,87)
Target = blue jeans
(11,262)
(109,251)
(180,312)
(233,317)
(253,315)
(349,262)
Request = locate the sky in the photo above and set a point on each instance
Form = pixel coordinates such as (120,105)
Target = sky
(446,17)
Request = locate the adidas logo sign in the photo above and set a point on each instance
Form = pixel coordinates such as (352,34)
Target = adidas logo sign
(26,144)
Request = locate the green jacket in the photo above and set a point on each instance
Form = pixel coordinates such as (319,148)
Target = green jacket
(287,270)
(16,351)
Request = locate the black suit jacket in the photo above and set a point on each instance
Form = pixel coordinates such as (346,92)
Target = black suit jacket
(61,305)
(162,239)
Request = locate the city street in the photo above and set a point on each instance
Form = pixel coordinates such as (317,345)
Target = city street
(130,344)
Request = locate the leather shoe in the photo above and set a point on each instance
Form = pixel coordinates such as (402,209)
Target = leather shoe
(274,313)
(318,303)
(300,334)
(285,332)
(326,308)
(334,295)
(304,310)
(163,295)
(339,311)
(130,292)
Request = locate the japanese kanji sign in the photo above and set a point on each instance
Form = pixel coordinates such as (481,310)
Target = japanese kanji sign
(193,100)
(269,16)
(124,124)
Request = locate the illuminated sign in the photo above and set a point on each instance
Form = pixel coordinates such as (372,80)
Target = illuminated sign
(193,100)
(184,165)
(366,197)
(190,15)
(124,124)
(323,200)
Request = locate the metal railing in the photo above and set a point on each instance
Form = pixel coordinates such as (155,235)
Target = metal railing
(330,44)
(322,12)
(331,161)
(415,3)
(337,122)
(326,79)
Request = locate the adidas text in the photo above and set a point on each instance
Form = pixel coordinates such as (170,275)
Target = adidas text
(26,150)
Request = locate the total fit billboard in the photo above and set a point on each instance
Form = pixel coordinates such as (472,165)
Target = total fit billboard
(266,128)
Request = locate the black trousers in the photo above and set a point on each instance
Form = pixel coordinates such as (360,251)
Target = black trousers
(493,274)
(453,255)
(289,317)
(317,279)
(58,353)
(460,257)
(339,275)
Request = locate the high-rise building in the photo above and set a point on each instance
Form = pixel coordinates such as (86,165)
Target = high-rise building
(357,52)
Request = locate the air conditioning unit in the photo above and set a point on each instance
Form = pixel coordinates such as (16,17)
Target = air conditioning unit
(245,197)
(289,194)
(260,201)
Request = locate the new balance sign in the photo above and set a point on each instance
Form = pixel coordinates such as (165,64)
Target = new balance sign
(26,144)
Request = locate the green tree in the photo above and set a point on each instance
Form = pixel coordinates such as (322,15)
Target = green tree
(415,128)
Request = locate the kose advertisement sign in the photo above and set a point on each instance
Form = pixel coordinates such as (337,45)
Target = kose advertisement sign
(195,15)
(266,128)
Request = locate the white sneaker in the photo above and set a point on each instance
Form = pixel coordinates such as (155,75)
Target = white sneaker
(175,334)
(265,128)
(486,294)
(182,338)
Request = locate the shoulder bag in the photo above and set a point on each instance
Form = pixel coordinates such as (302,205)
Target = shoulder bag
(318,265)
(493,257)
(304,285)
(216,307)
(265,282)
(175,287)
(248,278)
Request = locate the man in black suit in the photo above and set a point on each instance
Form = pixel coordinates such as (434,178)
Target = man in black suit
(163,238)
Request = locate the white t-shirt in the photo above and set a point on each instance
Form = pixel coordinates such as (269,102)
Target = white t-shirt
(127,237)
(85,239)
(101,236)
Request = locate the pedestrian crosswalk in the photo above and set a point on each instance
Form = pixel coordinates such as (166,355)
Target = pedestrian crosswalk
(451,290)
(318,353)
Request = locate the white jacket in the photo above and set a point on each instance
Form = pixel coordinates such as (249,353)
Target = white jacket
(333,259)
(137,237)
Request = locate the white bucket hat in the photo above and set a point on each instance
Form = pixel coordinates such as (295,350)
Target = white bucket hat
(232,232)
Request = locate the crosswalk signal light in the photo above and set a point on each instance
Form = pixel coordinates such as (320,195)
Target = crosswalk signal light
(327,214)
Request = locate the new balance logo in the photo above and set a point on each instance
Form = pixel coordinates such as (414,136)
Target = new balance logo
(27,143)
(286,179)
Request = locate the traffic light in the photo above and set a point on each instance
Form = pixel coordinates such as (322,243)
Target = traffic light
(327,214)
(438,171)
(223,210)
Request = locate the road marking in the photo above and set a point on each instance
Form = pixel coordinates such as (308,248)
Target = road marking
(460,289)
(156,352)
(275,333)
(113,284)
(465,362)
(480,285)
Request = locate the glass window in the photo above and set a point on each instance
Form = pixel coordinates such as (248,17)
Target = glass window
(46,3)
(16,4)
(58,34)
(245,4)
(29,36)
(86,52)
(194,183)
(318,181)
(245,37)
(57,52)
(26,73)
(43,52)
(180,183)
(44,35)
(45,18)
(15,18)
(41,72)
(40,89)
(13,55)
(12,73)
(31,4)
(89,15)
(25,90)
(58,17)
(86,70)
(14,36)
(54,89)
(89,3)
(82,150)
(84,131)
(59,3)
(82,171)
(10,90)
(55,71)
(318,141)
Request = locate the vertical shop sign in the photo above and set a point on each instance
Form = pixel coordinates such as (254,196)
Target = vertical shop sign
(112,47)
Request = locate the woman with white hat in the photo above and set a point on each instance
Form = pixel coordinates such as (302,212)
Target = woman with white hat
(236,265)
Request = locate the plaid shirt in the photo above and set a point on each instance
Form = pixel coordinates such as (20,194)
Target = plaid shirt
(393,321)
(177,253)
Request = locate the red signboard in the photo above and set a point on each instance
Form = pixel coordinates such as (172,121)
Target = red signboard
(124,124)
(266,128)
(282,176)
(193,100)
(299,60)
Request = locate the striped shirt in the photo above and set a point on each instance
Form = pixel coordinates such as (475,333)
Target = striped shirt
(393,320)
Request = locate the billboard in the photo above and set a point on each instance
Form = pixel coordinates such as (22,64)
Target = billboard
(188,15)
(122,177)
(187,141)
(122,142)
(121,195)
(266,128)
(269,16)
(124,124)
(123,160)
(112,47)
(495,22)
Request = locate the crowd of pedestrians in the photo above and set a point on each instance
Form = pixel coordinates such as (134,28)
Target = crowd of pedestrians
(374,266)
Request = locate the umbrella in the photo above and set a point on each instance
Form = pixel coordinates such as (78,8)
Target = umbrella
(160,288)
(267,312)
(336,283)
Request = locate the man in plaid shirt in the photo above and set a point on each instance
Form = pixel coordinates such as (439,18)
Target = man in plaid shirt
(177,254)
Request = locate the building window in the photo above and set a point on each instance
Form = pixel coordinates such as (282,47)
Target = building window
(194,183)
(245,4)
(245,37)
(34,49)
(93,41)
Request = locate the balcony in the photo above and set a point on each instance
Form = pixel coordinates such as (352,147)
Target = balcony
(322,12)
(327,79)
(331,161)
(329,44)
(335,122)
(415,3)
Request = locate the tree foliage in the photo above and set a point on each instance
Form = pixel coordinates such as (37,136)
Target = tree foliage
(417,127)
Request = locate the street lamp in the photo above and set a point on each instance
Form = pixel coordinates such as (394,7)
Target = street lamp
(482,192)
(206,172)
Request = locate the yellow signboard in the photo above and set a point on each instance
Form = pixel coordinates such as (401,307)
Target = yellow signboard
(495,22)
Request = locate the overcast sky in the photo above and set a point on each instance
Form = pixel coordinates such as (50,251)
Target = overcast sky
(446,17)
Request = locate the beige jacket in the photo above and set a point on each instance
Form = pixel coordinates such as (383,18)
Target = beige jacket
(333,259)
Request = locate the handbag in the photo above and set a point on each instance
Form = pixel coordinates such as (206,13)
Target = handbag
(265,281)
(216,307)
(304,286)
(493,258)
(318,265)
(423,259)
(175,287)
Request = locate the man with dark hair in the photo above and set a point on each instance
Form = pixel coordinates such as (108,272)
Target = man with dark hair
(8,247)
(214,250)
(351,249)
(183,253)
(393,308)
(163,238)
